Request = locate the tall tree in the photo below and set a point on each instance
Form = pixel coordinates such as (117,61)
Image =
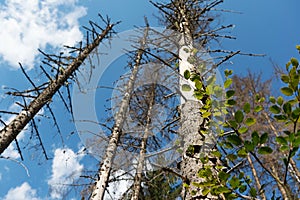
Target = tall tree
(106,166)
(192,22)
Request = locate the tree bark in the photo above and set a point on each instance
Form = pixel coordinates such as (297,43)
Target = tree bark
(141,160)
(191,117)
(263,196)
(105,169)
(11,131)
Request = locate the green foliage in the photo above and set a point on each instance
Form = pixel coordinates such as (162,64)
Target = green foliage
(243,140)
(187,74)
(160,186)
(186,88)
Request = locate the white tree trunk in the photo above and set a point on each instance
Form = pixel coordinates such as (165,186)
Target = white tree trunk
(106,166)
(191,119)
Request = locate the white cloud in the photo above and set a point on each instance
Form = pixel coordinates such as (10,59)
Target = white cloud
(11,151)
(24,192)
(117,188)
(0,176)
(29,25)
(65,169)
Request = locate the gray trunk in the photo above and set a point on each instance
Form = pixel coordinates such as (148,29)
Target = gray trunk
(141,160)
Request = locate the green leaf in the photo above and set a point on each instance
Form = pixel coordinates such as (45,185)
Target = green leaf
(241,175)
(206,114)
(239,116)
(250,121)
(231,157)
(288,65)
(296,142)
(249,146)
(198,84)
(280,100)
(231,102)
(195,77)
(294,151)
(285,78)
(217,154)
(232,123)
(229,93)
(223,176)
(242,153)
(294,62)
(218,91)
(243,130)
(234,139)
(221,190)
(263,138)
(228,72)
(243,188)
(234,182)
(258,108)
(187,74)
(247,107)
(298,47)
(264,150)
(255,138)
(205,191)
(253,192)
(227,83)
(286,91)
(284,148)
(275,109)
(296,113)
(287,108)
(291,137)
(186,88)
(280,118)
(272,99)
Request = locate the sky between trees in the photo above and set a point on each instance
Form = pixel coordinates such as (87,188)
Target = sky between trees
(268,27)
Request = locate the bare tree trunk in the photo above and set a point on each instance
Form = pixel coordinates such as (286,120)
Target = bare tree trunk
(141,160)
(104,171)
(282,188)
(11,131)
(263,196)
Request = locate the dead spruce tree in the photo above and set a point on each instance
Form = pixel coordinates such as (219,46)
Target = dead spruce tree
(106,163)
(66,68)
(153,107)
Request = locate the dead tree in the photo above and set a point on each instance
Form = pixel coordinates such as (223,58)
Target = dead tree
(106,166)
(9,133)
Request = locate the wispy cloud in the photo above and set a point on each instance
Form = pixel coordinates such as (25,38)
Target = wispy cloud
(65,169)
(24,192)
(29,25)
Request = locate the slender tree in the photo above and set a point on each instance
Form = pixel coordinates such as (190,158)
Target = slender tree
(104,171)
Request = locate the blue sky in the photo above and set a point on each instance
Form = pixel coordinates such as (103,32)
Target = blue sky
(269,27)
